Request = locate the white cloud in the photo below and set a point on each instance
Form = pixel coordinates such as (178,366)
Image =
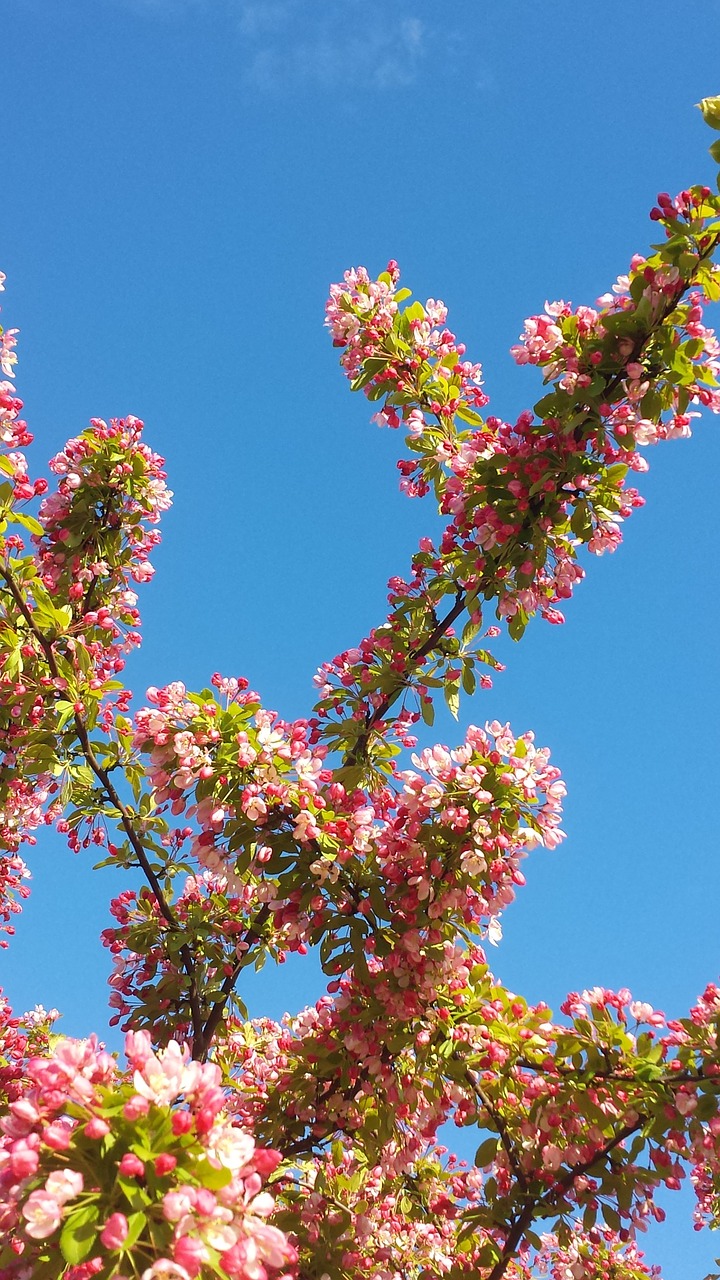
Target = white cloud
(413,31)
(342,45)
(348,46)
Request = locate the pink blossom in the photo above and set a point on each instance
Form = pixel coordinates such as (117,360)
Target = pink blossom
(163,1076)
(164,1269)
(190,1253)
(64,1184)
(58,1135)
(43,1214)
(115,1232)
(24,1158)
(131,1166)
(177,1204)
(96,1128)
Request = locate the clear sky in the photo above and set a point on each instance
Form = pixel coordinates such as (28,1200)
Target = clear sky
(183,180)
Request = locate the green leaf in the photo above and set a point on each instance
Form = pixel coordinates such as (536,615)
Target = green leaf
(611,1217)
(65,711)
(13,663)
(710,108)
(135,1195)
(78,1234)
(469,631)
(486,1152)
(371,368)
(212,1177)
(469,416)
(136,1223)
(452,697)
(581,522)
(516,626)
(468,680)
(28,522)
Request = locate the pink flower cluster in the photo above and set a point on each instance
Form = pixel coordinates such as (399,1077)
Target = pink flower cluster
(92,543)
(599,1254)
(20,1038)
(441,844)
(374,299)
(174,1180)
(521,497)
(363,316)
(570,344)
(145,974)
(13,874)
(308,833)
(13,430)
(365,1217)
(109,474)
(330,1070)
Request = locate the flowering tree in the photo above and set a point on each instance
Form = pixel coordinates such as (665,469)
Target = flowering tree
(312,1147)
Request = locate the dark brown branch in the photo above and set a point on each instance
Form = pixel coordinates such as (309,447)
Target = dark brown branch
(414,656)
(501,1127)
(254,934)
(535,1206)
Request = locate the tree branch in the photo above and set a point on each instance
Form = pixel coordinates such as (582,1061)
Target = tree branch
(546,1201)
(414,656)
(254,934)
(114,798)
(500,1126)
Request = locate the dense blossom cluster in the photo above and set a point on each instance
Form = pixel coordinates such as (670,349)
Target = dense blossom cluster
(110,474)
(13,888)
(520,498)
(257,837)
(70,613)
(485,1058)
(68,605)
(593,1253)
(139,1173)
(363,872)
(20,1038)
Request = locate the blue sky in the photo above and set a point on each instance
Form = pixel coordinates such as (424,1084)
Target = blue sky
(183,180)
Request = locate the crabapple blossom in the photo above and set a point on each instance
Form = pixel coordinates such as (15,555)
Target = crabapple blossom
(313,1148)
(80,1082)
